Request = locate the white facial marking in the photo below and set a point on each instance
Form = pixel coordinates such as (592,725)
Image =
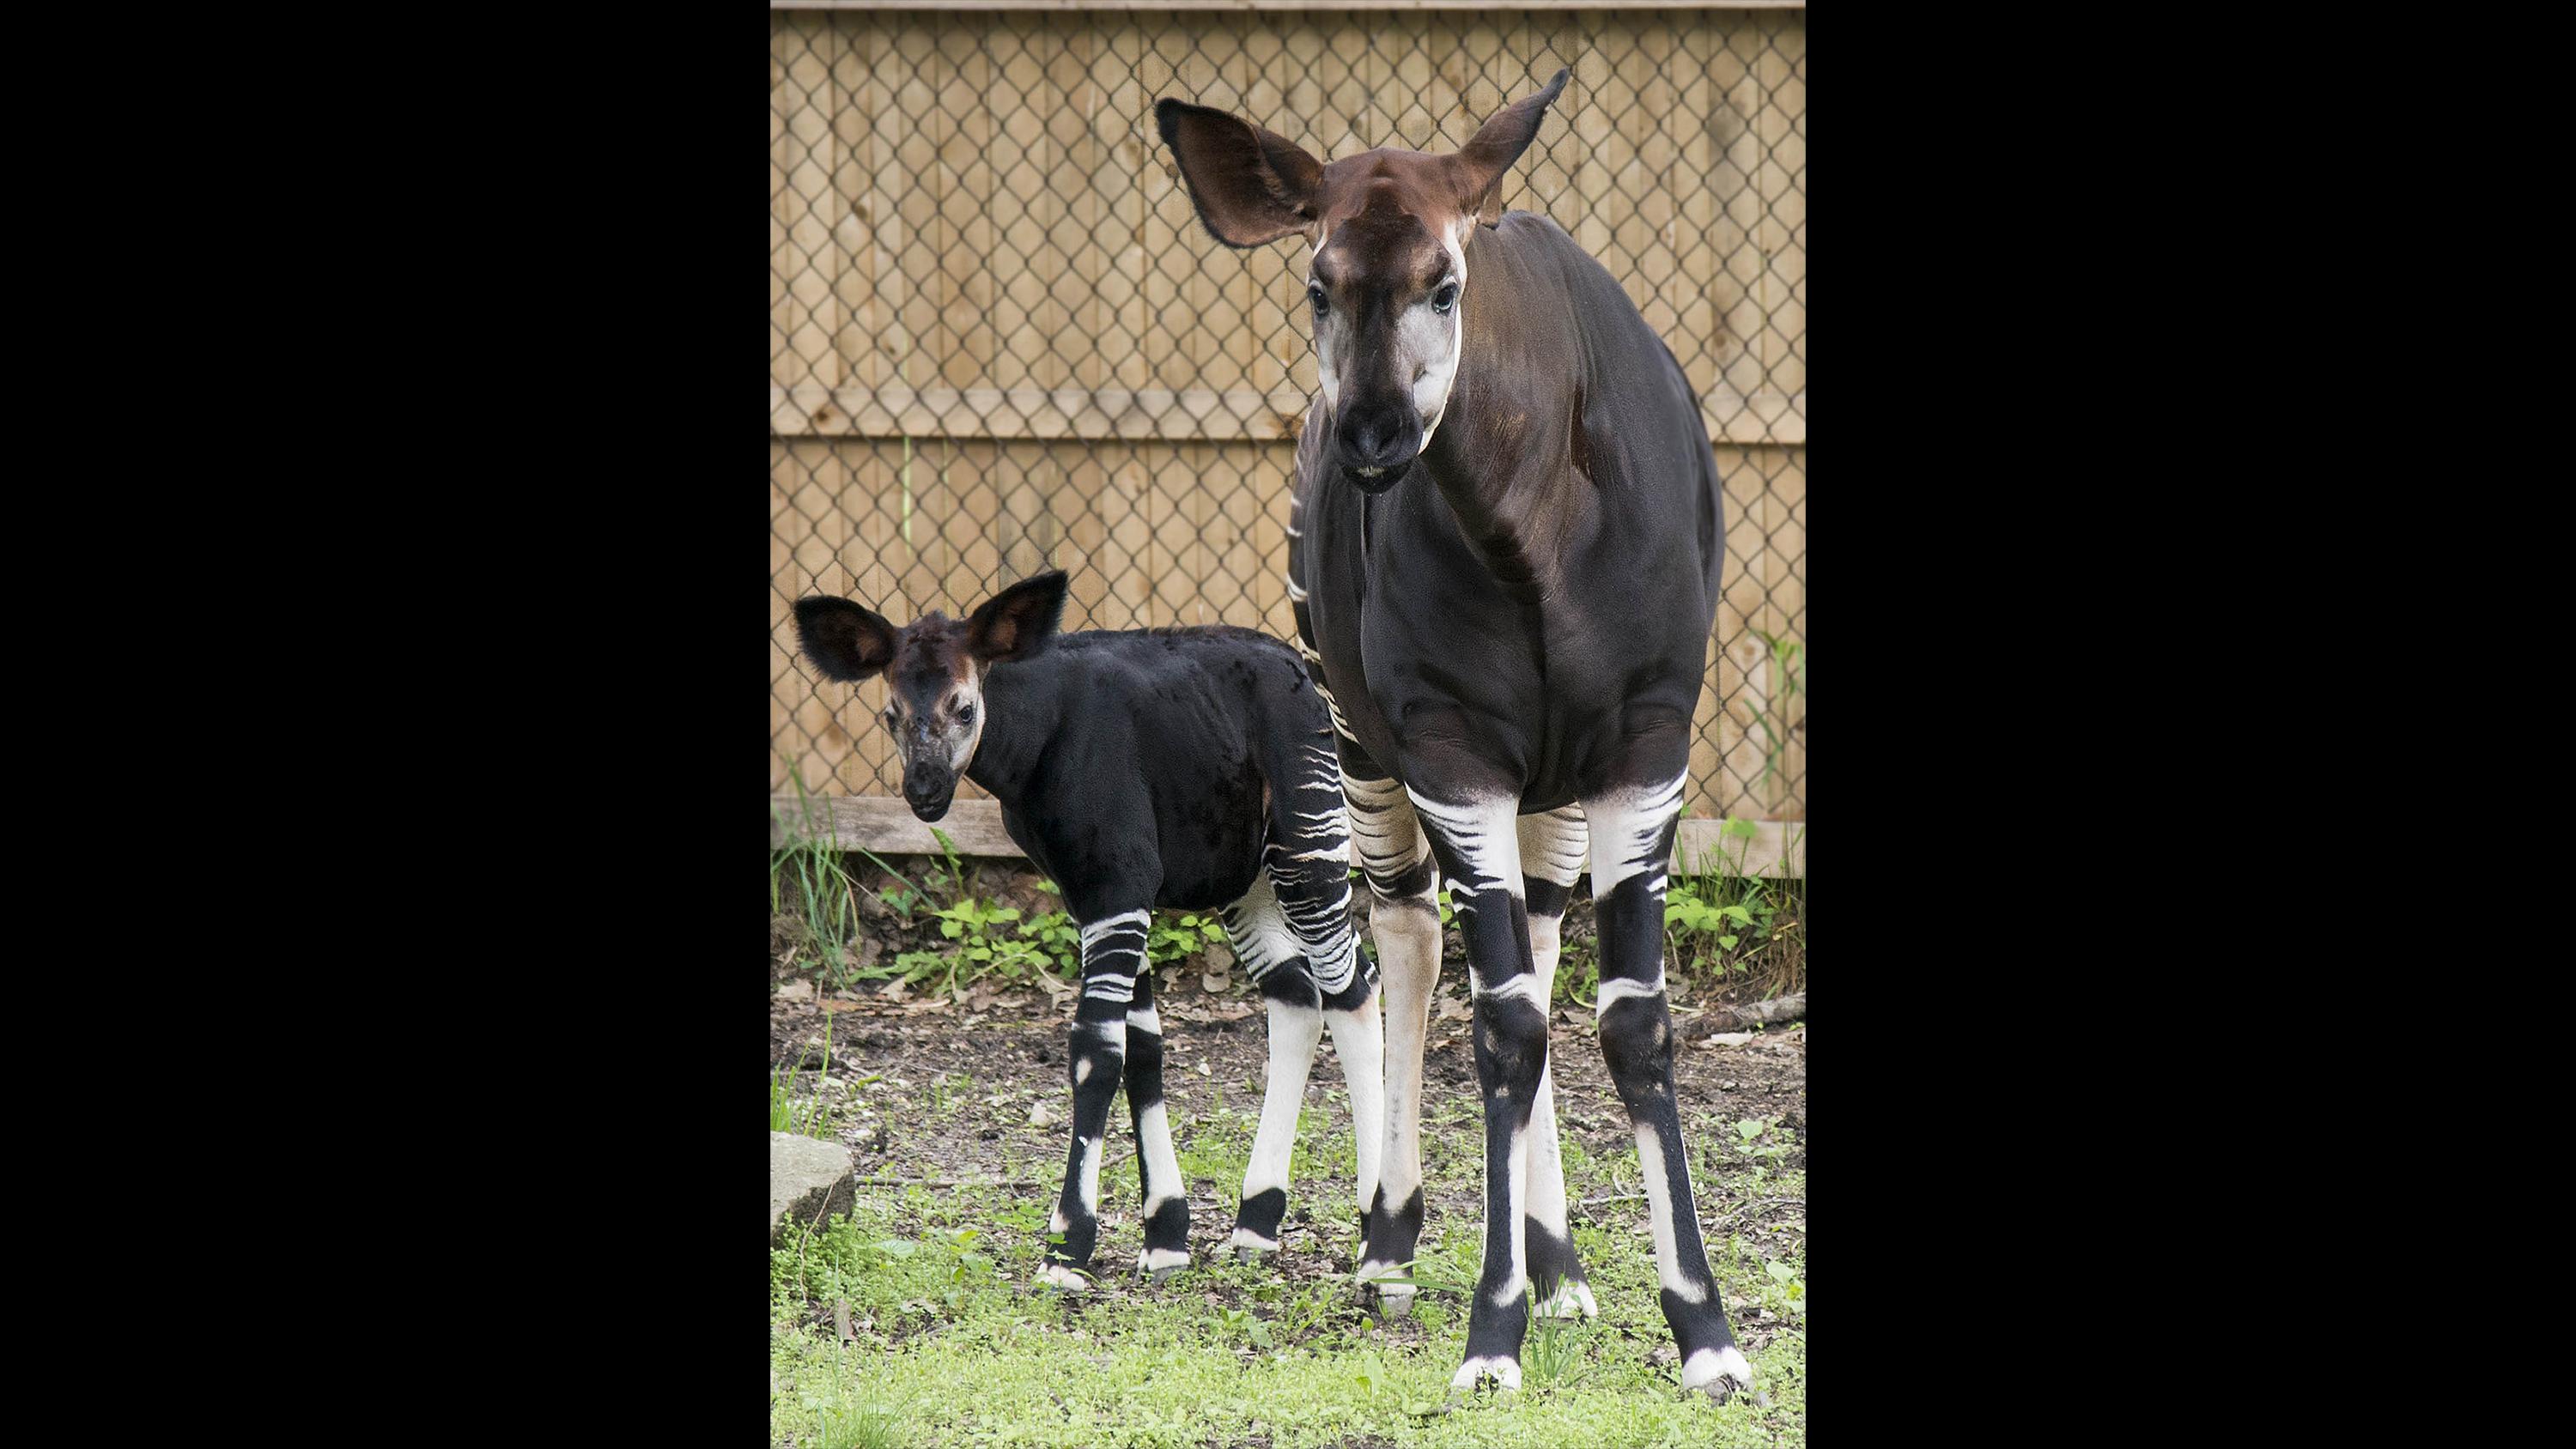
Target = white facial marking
(1431,391)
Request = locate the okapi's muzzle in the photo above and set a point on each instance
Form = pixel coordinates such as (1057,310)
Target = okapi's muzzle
(928,787)
(1376,445)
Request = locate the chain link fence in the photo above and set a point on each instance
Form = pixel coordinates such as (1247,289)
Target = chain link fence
(1000,341)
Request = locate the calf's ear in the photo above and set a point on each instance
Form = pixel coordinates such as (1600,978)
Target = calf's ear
(1018,621)
(846,642)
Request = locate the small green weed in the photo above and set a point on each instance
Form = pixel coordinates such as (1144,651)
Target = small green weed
(1166,942)
(810,1118)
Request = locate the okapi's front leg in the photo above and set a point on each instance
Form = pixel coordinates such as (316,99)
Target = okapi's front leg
(1167,1205)
(1632,840)
(1404,919)
(1552,849)
(1474,836)
(1113,950)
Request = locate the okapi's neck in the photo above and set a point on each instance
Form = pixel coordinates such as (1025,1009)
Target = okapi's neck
(1017,721)
(1509,456)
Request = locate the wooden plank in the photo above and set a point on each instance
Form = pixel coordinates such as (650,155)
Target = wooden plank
(887,827)
(809,410)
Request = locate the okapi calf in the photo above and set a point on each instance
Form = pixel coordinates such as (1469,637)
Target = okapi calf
(1504,558)
(1186,768)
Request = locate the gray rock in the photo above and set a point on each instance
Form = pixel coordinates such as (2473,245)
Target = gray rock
(809,1181)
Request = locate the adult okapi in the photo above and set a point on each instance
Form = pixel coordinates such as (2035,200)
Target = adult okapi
(1152,767)
(1503,560)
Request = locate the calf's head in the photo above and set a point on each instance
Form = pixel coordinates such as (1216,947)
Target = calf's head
(1388,266)
(934,669)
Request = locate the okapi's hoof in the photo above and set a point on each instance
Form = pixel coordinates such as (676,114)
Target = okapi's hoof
(1498,1376)
(1391,1300)
(1571,1300)
(1247,1246)
(1720,1373)
(1065,1277)
(1158,1266)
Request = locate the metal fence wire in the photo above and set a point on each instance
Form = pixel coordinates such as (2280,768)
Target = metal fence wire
(1000,340)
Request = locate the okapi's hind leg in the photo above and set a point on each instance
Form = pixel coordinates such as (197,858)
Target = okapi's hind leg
(1309,866)
(1167,1208)
(1552,849)
(1632,840)
(1268,952)
(1404,918)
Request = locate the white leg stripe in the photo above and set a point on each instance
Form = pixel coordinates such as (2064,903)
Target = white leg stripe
(1659,1204)
(1615,989)
(1523,987)
(1625,827)
(1145,1018)
(1484,833)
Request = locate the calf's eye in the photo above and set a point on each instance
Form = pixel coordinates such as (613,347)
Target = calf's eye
(1445,298)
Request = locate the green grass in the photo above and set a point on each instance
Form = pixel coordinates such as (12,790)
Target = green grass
(949,1345)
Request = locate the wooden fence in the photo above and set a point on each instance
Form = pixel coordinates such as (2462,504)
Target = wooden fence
(1000,341)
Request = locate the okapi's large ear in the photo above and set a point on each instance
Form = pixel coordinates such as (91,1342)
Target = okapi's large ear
(1250,186)
(846,642)
(1018,621)
(1481,164)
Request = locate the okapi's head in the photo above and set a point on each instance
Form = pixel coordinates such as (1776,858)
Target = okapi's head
(1389,234)
(934,669)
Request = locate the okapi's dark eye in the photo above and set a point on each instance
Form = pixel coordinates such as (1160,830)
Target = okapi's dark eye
(1445,298)
(966,713)
(1315,295)
(889,716)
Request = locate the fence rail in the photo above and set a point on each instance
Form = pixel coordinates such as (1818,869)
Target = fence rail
(1000,340)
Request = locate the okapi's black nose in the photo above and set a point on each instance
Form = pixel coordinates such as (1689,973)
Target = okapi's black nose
(1377,443)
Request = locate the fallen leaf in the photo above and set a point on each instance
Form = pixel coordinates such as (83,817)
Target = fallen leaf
(796,991)
(1237,1012)
(1040,1116)
(1731,1038)
(895,990)
(836,1003)
(1452,1009)
(1058,993)
(931,1003)
(1216,980)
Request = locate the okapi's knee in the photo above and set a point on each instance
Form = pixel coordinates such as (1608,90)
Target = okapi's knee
(1511,1035)
(1637,1045)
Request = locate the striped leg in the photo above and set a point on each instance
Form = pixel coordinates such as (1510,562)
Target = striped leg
(1308,864)
(1113,953)
(1404,918)
(1476,839)
(1270,954)
(1167,1208)
(1632,839)
(1294,1031)
(1552,847)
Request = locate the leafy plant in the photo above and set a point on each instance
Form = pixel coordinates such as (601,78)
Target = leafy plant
(1166,942)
